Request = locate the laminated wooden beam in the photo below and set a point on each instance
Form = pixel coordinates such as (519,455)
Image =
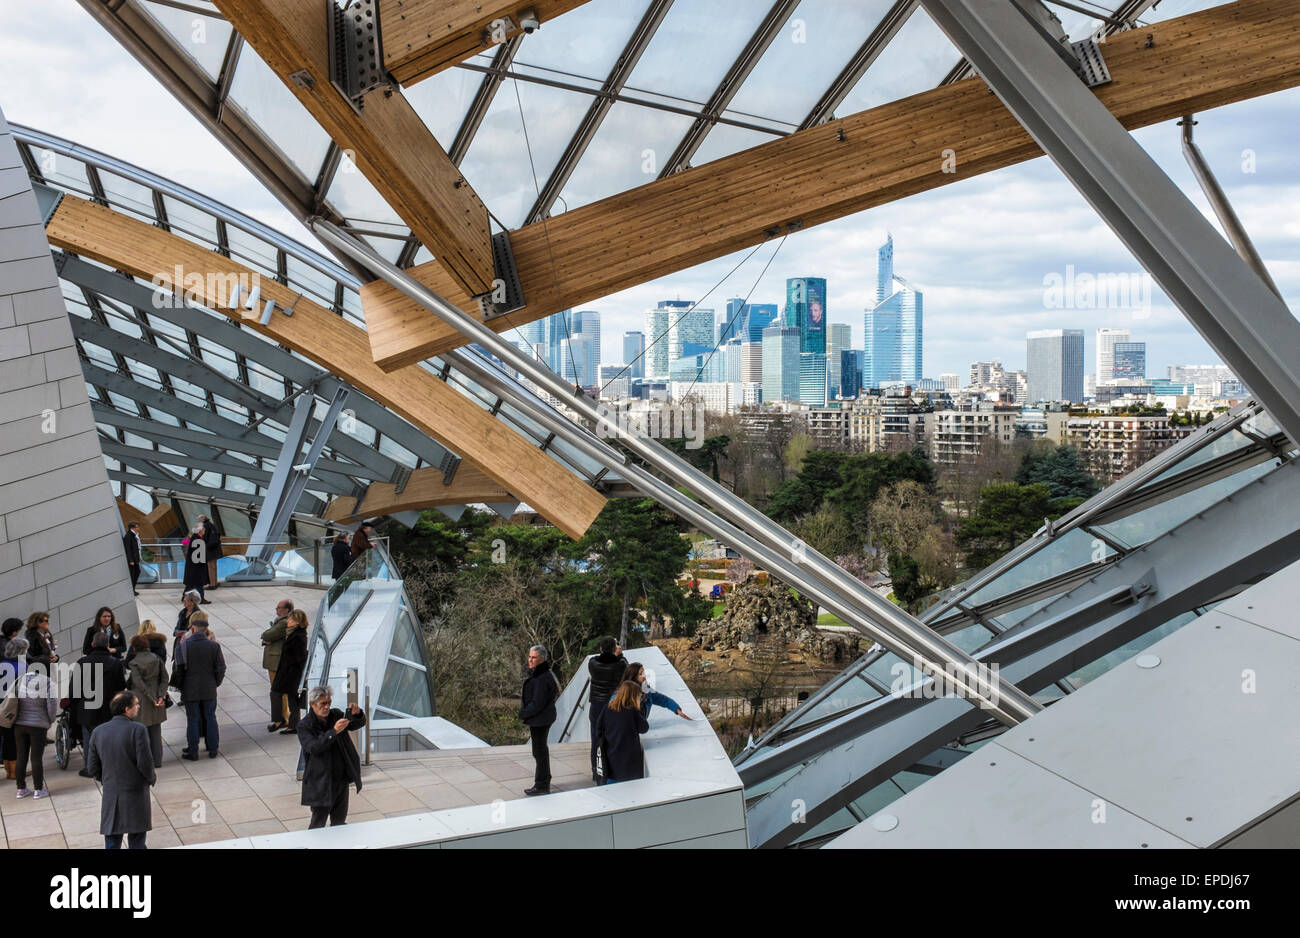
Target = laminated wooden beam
(423,37)
(386,139)
(424,489)
(1191,64)
(337,345)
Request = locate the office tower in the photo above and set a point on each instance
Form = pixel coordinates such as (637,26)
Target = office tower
(734,321)
(534,332)
(839,338)
(805,309)
(757,318)
(812,379)
(892,329)
(733,354)
(657,323)
(559,327)
(1055,365)
(851,373)
(780,363)
(633,347)
(1129,362)
(587,322)
(1106,339)
(751,363)
(578,359)
(693,326)
(614,382)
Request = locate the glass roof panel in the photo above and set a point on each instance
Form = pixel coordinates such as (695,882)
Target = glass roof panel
(1143,526)
(356,199)
(189,222)
(694,46)
(1224,445)
(442,99)
(1072,550)
(851,694)
(128,196)
(915,60)
(809,52)
(586,41)
(265,100)
(202,38)
(632,144)
(726,139)
(497,164)
(1171,9)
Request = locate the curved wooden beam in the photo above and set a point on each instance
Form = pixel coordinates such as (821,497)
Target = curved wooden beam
(335,344)
(424,489)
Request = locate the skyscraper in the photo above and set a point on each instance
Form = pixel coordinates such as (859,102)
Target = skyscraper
(812,379)
(1055,365)
(578,359)
(633,347)
(733,322)
(1129,362)
(851,373)
(1106,339)
(839,338)
(805,310)
(559,327)
(587,322)
(892,329)
(689,331)
(780,363)
(657,322)
(758,316)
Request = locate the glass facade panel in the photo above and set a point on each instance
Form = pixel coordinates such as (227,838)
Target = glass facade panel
(202,38)
(628,151)
(406,690)
(1071,551)
(916,59)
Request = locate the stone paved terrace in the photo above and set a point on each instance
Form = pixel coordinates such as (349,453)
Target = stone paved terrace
(250,787)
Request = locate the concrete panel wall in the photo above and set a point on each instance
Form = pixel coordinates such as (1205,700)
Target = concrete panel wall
(60,533)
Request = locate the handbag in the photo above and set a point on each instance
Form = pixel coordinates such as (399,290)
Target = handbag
(9,709)
(301,700)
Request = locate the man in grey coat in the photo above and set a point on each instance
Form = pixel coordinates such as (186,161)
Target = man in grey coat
(119,756)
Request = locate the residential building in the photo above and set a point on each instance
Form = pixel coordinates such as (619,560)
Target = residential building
(889,422)
(1112,446)
(829,426)
(967,429)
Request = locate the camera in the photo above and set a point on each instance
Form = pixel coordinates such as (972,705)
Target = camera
(528,21)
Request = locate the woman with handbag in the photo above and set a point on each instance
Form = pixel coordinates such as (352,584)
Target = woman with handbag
(14,663)
(293,660)
(41,644)
(37,707)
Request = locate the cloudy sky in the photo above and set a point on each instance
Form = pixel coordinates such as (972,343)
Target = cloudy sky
(981,249)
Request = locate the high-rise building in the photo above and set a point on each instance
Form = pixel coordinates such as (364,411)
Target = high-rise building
(851,373)
(1129,362)
(1106,339)
(733,356)
(812,379)
(839,338)
(733,322)
(751,363)
(805,310)
(690,332)
(892,329)
(633,353)
(657,322)
(951,382)
(780,364)
(587,322)
(578,359)
(758,316)
(1055,365)
(559,327)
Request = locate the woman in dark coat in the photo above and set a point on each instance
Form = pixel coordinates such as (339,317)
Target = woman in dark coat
(293,659)
(196,562)
(619,728)
(17,665)
(148,678)
(105,621)
(189,603)
(41,644)
(341,554)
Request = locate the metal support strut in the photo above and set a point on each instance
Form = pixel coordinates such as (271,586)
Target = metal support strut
(735,522)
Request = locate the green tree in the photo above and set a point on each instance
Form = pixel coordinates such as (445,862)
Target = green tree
(1007,514)
(707,457)
(905,575)
(829,532)
(1060,468)
(633,551)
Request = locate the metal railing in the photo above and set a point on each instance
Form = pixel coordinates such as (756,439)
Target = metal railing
(163,561)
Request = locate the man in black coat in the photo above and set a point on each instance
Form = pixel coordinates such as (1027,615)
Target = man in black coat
(100,677)
(119,756)
(537,711)
(199,668)
(131,542)
(606,673)
(331,762)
